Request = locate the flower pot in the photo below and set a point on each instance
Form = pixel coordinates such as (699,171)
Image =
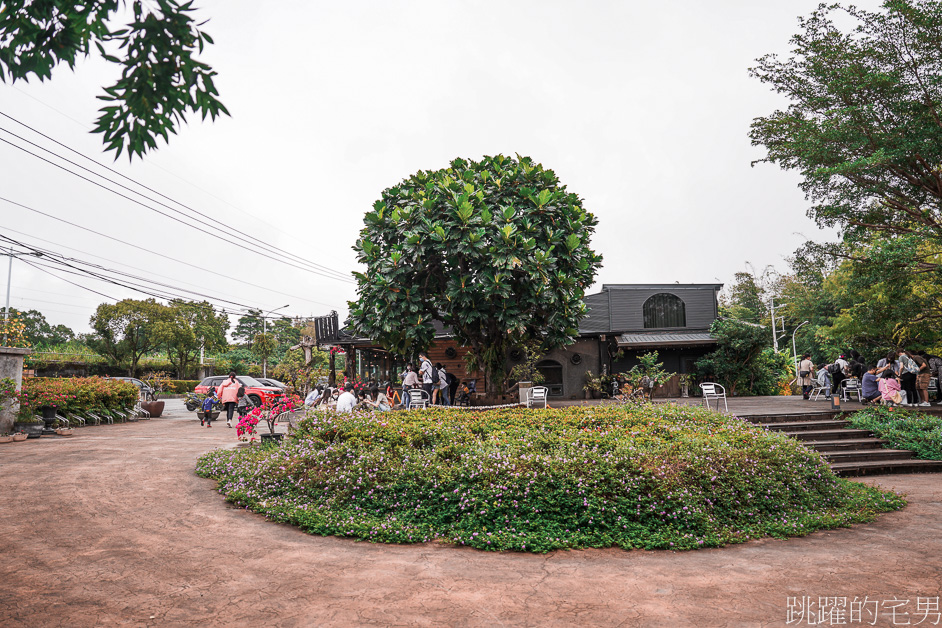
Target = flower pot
(272,438)
(64,431)
(202,415)
(6,439)
(18,438)
(155,408)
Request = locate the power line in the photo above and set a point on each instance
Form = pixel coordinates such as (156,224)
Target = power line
(173,259)
(252,239)
(175,219)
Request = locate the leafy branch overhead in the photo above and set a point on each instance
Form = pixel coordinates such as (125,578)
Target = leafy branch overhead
(496,249)
(161,79)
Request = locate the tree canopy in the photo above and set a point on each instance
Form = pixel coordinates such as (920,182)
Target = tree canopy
(864,130)
(38,331)
(155,48)
(187,327)
(126,331)
(496,249)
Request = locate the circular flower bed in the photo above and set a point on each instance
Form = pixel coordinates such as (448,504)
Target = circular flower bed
(652,476)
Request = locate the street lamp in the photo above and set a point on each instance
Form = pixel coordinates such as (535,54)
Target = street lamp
(264,332)
(6,312)
(794,352)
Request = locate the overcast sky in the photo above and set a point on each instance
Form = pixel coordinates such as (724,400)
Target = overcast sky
(642,109)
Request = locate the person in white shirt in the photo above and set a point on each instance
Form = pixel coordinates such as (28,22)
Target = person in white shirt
(312,397)
(347,400)
(425,372)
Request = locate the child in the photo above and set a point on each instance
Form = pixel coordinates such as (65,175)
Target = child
(244,406)
(208,405)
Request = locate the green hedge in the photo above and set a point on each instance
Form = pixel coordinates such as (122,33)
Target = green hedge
(903,429)
(183,386)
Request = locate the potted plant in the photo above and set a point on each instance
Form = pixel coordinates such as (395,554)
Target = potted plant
(160,382)
(271,415)
(593,386)
(685,379)
(19,437)
(6,438)
(29,425)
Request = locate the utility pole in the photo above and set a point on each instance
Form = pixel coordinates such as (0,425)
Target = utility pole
(6,312)
(775,331)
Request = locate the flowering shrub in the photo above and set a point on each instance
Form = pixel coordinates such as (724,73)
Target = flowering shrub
(245,430)
(651,476)
(75,394)
(903,429)
(13,331)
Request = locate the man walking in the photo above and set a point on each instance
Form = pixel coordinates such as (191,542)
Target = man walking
(443,384)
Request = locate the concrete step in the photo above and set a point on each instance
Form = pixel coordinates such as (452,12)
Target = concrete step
(847,444)
(866,455)
(761,419)
(825,435)
(883,467)
(805,426)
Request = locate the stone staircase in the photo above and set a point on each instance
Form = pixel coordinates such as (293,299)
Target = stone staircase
(850,452)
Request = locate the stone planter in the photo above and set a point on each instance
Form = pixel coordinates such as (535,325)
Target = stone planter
(272,438)
(32,430)
(64,431)
(19,438)
(6,439)
(155,408)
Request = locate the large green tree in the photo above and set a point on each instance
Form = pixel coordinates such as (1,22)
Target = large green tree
(497,249)
(864,130)
(743,361)
(154,44)
(188,327)
(126,331)
(38,331)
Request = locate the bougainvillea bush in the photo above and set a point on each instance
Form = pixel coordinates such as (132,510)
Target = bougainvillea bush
(903,429)
(76,394)
(653,476)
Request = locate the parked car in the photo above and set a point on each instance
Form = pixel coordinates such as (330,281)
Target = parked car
(147,393)
(267,381)
(254,389)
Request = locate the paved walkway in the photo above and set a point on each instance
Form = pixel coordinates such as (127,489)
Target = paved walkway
(112,527)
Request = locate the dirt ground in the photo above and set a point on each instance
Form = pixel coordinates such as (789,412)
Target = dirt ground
(112,527)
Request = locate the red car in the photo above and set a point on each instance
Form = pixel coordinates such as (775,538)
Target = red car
(254,389)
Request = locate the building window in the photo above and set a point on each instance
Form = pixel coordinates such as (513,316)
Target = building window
(664,310)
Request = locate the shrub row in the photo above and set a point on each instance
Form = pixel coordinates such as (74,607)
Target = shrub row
(183,386)
(75,394)
(653,476)
(903,429)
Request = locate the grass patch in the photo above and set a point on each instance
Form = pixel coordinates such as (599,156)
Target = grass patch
(651,477)
(903,429)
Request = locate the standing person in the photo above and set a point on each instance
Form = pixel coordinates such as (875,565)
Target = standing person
(409,381)
(805,370)
(824,380)
(922,378)
(935,369)
(838,372)
(208,405)
(907,378)
(425,372)
(443,384)
(228,392)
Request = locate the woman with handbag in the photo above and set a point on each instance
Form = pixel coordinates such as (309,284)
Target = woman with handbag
(805,370)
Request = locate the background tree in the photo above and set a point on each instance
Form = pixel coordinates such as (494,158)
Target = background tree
(294,371)
(126,331)
(746,299)
(496,249)
(263,345)
(37,330)
(743,361)
(188,327)
(248,326)
(161,79)
(864,130)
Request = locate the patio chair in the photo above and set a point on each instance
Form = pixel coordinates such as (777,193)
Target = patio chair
(537,395)
(849,388)
(714,391)
(418,398)
(817,389)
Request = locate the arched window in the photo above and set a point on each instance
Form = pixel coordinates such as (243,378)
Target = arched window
(664,310)
(552,372)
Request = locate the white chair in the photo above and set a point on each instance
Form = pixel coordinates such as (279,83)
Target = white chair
(817,388)
(714,391)
(418,398)
(537,395)
(849,388)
